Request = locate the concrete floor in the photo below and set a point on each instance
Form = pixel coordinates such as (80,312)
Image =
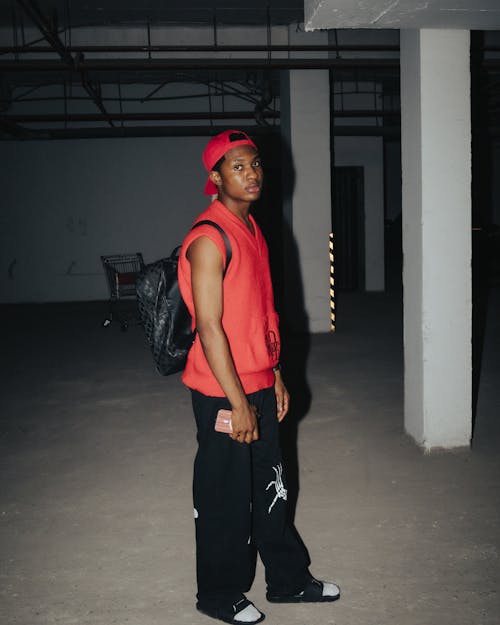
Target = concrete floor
(96,455)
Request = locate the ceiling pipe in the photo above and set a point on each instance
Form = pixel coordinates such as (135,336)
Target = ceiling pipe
(390,132)
(11,129)
(128,65)
(95,117)
(216,115)
(139,131)
(201,48)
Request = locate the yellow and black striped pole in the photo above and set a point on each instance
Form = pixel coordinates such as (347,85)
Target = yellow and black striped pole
(332,285)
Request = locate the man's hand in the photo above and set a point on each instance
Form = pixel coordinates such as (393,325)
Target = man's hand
(245,428)
(282,396)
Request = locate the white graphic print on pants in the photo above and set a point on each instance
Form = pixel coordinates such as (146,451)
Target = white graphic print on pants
(281,491)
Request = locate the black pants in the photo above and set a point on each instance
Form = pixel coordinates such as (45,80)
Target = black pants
(239,495)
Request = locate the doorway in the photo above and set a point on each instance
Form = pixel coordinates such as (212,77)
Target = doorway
(348,228)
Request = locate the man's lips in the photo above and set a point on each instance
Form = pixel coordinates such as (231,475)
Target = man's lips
(253,188)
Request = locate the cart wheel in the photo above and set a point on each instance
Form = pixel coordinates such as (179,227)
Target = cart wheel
(106,323)
(124,326)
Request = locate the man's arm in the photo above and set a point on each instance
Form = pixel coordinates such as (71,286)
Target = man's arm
(206,283)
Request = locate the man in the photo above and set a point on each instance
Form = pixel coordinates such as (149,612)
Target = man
(239,487)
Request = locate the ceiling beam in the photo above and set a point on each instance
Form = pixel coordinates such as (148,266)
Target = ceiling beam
(31,8)
(50,34)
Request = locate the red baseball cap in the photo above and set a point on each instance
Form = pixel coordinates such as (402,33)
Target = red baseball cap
(217,147)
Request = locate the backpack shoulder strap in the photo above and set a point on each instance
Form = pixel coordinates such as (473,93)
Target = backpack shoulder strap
(227,244)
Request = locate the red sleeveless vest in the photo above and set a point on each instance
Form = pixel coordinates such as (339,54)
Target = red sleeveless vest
(249,319)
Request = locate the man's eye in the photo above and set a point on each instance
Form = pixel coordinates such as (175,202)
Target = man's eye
(238,167)
(257,163)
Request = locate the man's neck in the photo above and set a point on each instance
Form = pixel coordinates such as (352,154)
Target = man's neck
(240,209)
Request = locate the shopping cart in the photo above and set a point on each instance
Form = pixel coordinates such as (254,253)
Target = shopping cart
(121,272)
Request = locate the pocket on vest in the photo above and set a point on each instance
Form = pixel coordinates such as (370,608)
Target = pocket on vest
(258,348)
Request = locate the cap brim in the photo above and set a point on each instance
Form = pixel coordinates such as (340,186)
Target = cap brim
(210,188)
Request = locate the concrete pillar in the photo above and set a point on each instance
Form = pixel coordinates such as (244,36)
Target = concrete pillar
(436,162)
(305,126)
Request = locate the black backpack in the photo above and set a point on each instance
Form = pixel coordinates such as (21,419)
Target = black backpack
(164,316)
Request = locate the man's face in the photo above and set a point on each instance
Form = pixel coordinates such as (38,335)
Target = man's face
(240,177)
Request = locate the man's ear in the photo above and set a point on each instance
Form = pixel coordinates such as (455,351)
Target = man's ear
(215,178)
